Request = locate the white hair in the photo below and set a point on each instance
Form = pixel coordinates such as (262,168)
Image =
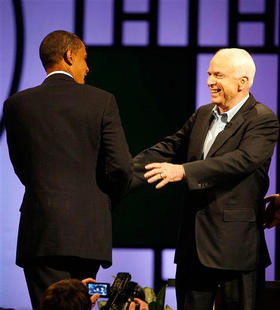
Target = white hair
(242,61)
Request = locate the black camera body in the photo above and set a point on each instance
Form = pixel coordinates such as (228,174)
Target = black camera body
(122,292)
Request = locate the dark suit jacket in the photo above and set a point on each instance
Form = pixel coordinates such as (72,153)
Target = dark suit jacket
(68,148)
(222,215)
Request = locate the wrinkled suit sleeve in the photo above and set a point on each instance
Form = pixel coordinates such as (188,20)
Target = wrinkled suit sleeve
(14,153)
(118,161)
(256,147)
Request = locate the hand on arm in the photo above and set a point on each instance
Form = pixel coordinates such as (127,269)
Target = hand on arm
(163,172)
(272,211)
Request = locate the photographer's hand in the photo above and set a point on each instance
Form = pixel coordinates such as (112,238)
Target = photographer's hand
(94,297)
(141,303)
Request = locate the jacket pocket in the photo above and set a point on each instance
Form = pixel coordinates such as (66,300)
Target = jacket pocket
(239,215)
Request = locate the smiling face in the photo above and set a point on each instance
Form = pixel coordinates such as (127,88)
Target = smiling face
(223,82)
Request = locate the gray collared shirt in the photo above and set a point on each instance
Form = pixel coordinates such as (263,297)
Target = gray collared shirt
(218,124)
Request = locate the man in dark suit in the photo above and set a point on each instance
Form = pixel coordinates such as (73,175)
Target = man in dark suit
(222,154)
(68,148)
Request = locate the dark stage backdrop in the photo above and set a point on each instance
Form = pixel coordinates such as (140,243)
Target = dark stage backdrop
(153,91)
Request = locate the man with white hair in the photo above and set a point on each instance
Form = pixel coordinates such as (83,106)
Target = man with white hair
(222,155)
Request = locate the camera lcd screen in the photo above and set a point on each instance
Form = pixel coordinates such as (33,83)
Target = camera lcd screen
(101,288)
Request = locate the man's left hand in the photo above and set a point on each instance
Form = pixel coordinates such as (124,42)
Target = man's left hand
(164,173)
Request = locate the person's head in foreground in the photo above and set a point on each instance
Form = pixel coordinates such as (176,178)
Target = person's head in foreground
(70,294)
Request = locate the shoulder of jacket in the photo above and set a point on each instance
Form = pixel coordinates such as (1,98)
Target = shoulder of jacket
(208,106)
(205,108)
(260,110)
(23,93)
(260,107)
(96,90)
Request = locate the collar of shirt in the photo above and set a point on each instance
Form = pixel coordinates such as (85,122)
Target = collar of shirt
(227,116)
(62,72)
(219,123)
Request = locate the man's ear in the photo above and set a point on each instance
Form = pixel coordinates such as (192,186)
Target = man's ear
(243,82)
(68,57)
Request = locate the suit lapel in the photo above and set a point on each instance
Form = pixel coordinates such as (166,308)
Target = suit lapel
(224,135)
(199,133)
(232,126)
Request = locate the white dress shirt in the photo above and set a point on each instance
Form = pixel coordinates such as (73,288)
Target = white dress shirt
(63,72)
(218,124)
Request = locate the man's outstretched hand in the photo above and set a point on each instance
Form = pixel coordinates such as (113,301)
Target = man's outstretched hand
(164,173)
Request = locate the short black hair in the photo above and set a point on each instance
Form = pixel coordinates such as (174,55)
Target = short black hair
(68,294)
(55,44)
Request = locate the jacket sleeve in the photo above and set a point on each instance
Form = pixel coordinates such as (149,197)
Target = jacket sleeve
(14,153)
(118,161)
(255,149)
(172,149)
